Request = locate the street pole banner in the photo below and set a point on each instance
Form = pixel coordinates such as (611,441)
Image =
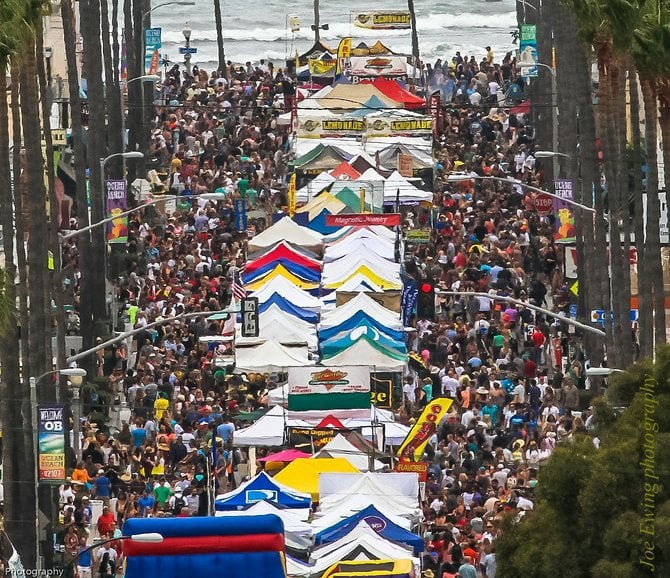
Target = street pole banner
(413,445)
(116,202)
(410,293)
(51,443)
(528,51)
(564,224)
(152,49)
(292,196)
(240,209)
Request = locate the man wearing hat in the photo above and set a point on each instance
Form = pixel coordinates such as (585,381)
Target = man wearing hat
(102,487)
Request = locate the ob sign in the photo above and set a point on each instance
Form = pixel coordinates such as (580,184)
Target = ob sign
(51,443)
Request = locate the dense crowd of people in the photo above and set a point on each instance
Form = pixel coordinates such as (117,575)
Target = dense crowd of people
(505,366)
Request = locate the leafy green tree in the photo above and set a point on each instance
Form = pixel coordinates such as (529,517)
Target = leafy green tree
(596,508)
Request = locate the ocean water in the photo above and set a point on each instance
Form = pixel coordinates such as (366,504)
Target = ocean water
(256,29)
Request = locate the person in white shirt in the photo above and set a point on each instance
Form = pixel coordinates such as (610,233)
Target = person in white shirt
(450,384)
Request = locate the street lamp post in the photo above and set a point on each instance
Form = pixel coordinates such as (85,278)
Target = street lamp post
(75,374)
(187,55)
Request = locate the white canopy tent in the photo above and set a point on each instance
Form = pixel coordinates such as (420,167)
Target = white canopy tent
(361,349)
(371,230)
(378,247)
(341,447)
(409,194)
(270,356)
(343,269)
(280,330)
(361,302)
(335,514)
(268,431)
(314,187)
(283,287)
(286,230)
(298,533)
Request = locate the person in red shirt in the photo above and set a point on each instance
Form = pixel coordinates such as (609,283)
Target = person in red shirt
(105,521)
(538,339)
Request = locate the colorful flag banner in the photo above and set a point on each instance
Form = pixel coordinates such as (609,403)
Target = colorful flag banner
(116,202)
(413,445)
(51,443)
(152,48)
(564,224)
(528,50)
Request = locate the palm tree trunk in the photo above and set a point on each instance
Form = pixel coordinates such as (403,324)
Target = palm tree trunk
(90,31)
(20,188)
(574,99)
(645,314)
(219,38)
(653,268)
(21,531)
(70,41)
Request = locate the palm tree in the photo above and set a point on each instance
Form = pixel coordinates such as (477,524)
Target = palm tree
(15,463)
(219,38)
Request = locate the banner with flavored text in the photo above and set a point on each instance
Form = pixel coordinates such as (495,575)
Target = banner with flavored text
(413,445)
(328,388)
(384,20)
(343,54)
(116,203)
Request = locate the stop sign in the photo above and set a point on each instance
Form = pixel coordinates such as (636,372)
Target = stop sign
(544,204)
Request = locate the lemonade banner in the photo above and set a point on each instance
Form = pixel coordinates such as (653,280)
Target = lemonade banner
(413,445)
(398,126)
(383,20)
(116,202)
(316,127)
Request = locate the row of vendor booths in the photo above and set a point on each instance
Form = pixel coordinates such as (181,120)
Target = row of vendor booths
(351,517)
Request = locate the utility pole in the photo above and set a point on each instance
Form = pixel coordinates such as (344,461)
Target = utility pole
(317,23)
(415,38)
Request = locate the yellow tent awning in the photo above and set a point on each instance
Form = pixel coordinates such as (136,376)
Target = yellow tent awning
(364,270)
(282,271)
(303,474)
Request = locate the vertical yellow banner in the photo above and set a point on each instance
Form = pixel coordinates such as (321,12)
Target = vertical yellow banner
(413,445)
(343,53)
(291,196)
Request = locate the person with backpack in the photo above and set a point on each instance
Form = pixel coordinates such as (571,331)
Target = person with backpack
(177,502)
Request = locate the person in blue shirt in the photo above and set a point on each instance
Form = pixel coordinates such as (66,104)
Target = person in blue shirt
(84,559)
(146,504)
(102,487)
(225,431)
(139,435)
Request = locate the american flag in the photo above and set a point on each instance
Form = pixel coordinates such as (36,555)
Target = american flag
(239,292)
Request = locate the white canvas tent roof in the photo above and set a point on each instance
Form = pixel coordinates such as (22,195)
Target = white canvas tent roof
(371,175)
(279,331)
(288,291)
(363,350)
(361,533)
(325,518)
(372,230)
(268,431)
(314,187)
(359,245)
(343,268)
(361,302)
(341,447)
(292,521)
(408,192)
(270,356)
(400,488)
(286,230)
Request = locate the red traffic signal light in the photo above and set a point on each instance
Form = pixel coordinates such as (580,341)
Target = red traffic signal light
(426,287)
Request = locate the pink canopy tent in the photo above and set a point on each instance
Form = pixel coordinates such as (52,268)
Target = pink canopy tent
(285,456)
